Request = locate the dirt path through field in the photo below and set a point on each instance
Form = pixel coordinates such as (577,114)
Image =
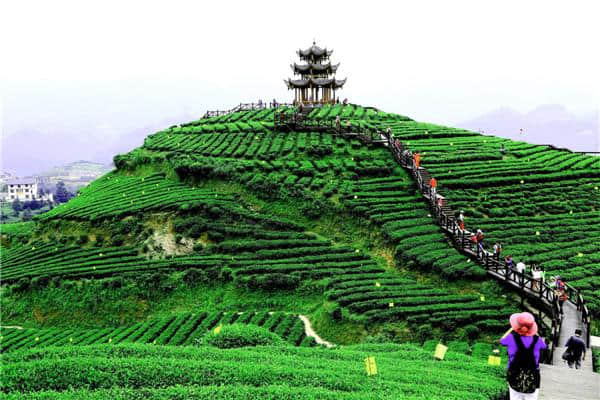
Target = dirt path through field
(309,331)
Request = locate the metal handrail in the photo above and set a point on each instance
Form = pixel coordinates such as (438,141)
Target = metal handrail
(245,107)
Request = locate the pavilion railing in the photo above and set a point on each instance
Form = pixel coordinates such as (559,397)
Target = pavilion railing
(540,291)
(245,107)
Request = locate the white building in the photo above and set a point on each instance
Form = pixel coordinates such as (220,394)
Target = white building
(24,189)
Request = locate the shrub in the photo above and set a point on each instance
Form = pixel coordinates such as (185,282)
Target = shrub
(240,335)
(471,331)
(117,240)
(424,331)
(112,283)
(216,236)
(315,209)
(275,281)
(196,231)
(193,276)
(21,285)
(215,212)
(40,282)
(99,240)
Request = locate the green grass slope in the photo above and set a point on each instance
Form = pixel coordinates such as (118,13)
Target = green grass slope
(226,213)
(156,372)
(175,329)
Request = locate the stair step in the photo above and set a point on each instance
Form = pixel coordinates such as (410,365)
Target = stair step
(563,383)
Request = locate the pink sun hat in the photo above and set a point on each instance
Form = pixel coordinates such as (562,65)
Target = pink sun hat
(524,324)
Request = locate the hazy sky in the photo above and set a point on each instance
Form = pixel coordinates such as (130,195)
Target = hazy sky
(90,73)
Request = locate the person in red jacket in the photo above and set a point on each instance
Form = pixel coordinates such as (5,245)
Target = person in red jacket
(433,186)
(417,158)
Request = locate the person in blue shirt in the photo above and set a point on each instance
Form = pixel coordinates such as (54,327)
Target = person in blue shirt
(575,352)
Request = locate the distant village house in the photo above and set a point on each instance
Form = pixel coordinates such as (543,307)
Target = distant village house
(24,189)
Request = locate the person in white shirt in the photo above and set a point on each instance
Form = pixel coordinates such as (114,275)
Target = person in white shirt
(537,278)
(521,271)
(497,250)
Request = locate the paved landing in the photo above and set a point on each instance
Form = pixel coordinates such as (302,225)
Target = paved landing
(561,383)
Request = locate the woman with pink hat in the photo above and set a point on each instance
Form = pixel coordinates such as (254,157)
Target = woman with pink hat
(523,347)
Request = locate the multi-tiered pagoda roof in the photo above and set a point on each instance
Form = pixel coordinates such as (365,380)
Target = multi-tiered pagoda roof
(317,82)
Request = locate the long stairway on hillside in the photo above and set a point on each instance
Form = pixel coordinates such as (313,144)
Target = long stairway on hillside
(559,382)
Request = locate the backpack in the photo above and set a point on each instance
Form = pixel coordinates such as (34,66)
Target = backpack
(523,374)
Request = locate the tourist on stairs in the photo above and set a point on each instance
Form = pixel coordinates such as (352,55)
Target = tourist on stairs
(497,250)
(537,278)
(398,145)
(473,242)
(575,352)
(461,220)
(521,271)
(523,347)
(433,186)
(561,292)
(480,243)
(407,157)
(509,261)
(417,160)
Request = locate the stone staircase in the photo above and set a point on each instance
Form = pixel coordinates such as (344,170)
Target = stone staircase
(559,382)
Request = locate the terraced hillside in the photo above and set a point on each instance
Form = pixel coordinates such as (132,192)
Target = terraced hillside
(226,219)
(221,240)
(538,195)
(153,372)
(177,330)
(542,204)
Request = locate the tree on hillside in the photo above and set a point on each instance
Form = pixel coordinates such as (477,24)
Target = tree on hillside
(17,207)
(62,194)
(32,205)
(27,215)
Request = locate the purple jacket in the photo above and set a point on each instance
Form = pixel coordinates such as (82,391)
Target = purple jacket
(509,342)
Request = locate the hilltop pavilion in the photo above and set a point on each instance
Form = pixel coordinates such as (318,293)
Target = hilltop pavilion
(317,83)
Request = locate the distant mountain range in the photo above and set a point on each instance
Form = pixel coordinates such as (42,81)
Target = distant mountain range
(36,148)
(39,148)
(547,124)
(77,169)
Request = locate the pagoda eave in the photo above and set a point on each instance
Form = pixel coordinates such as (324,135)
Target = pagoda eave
(318,82)
(312,68)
